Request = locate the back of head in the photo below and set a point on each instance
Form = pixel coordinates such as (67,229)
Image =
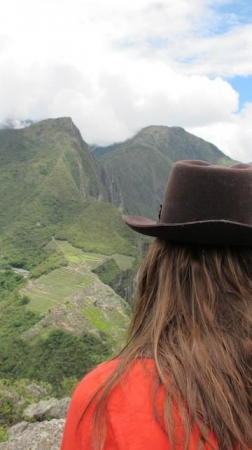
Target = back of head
(193,315)
(194,301)
(193,312)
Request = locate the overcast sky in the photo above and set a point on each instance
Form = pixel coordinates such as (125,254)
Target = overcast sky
(116,66)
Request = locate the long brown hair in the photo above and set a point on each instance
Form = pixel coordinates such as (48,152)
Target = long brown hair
(193,315)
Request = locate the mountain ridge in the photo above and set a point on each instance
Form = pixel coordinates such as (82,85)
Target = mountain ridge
(140,166)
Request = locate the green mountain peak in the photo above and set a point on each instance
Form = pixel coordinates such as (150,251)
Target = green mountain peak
(140,166)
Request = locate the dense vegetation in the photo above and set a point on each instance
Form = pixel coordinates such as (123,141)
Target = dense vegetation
(9,281)
(49,359)
(61,355)
(108,272)
(121,281)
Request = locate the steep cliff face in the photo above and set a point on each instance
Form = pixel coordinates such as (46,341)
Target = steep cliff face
(113,188)
(136,171)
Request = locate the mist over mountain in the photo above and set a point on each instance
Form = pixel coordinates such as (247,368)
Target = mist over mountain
(15,124)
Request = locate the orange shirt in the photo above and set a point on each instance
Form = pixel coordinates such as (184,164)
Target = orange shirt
(131,424)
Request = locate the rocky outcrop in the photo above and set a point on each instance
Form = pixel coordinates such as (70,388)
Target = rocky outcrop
(47,408)
(37,391)
(42,434)
(45,435)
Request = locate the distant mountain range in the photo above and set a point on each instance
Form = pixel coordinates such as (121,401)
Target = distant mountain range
(53,185)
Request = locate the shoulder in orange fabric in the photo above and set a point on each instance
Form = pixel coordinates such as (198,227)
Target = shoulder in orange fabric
(131,421)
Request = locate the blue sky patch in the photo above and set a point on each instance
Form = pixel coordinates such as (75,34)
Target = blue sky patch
(242,9)
(231,14)
(158,42)
(243,85)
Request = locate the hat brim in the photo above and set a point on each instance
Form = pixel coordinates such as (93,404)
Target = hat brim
(210,232)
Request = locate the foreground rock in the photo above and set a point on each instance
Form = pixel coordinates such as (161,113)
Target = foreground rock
(46,409)
(45,435)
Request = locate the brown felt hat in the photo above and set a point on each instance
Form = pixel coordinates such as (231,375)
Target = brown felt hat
(203,204)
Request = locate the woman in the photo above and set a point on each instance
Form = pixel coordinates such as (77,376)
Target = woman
(184,379)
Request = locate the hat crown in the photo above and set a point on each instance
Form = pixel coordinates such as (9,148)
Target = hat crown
(199,191)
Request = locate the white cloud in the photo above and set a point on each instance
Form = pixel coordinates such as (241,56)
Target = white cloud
(226,55)
(234,137)
(117,66)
